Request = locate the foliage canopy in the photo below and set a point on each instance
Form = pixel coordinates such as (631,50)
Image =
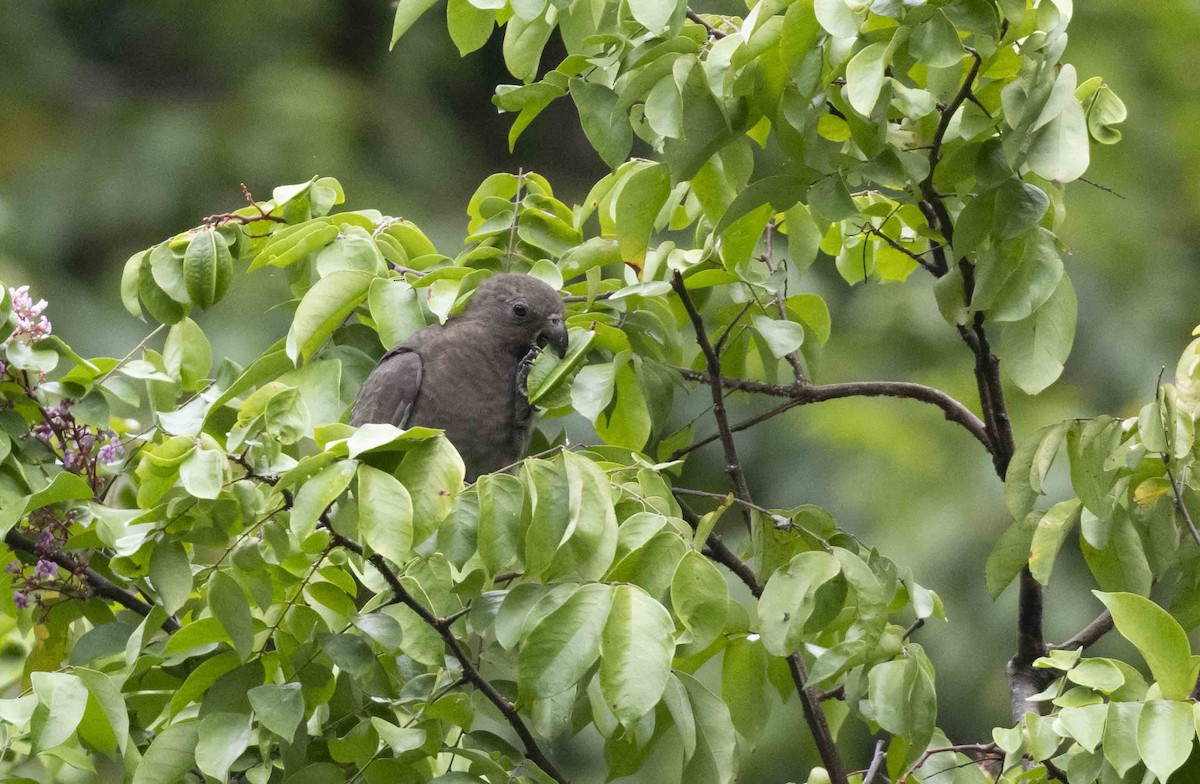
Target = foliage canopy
(220,580)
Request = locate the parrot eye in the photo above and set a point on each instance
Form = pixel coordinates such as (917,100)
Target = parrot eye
(520,311)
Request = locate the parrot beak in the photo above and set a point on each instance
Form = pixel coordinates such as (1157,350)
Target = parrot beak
(555,336)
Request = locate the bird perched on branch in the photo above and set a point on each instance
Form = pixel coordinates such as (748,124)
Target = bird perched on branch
(468,376)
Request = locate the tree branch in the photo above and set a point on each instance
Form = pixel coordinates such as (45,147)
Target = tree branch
(809,701)
(804,394)
(712,31)
(1088,635)
(733,466)
(442,626)
(100,585)
(876,761)
(981,749)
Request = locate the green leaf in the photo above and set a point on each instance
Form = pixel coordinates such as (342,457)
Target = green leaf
(1166,731)
(279,708)
(1049,535)
(408,12)
(158,302)
(1158,637)
(606,128)
(1010,554)
(221,739)
(716,744)
(1099,674)
(700,598)
(1103,110)
(385,514)
(227,602)
(1017,278)
(62,698)
(782,337)
(502,525)
(398,739)
(837,18)
(207,268)
(1120,735)
(1019,207)
(789,598)
(171,755)
(629,424)
(1084,724)
(744,684)
(395,310)
(781,192)
(1036,348)
(171,574)
(1059,150)
(202,474)
(902,698)
(635,653)
(652,14)
(187,354)
(325,306)
(106,716)
(317,493)
(935,42)
(65,486)
(829,198)
(433,474)
(864,77)
(640,198)
(523,44)
(564,644)
(549,372)
(706,128)
(129,284)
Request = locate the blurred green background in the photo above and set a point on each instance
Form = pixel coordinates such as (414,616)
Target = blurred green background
(122,123)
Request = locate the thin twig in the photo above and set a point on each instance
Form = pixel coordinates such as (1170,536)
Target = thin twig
(733,465)
(712,31)
(876,761)
(982,749)
(804,394)
(1183,510)
(1088,635)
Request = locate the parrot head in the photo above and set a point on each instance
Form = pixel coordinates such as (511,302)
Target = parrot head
(522,310)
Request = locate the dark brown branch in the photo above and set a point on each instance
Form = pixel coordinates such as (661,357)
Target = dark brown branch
(99,584)
(817,724)
(733,466)
(804,394)
(931,266)
(442,626)
(1088,635)
(712,31)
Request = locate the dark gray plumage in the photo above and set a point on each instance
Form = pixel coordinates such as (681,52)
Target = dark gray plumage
(467,376)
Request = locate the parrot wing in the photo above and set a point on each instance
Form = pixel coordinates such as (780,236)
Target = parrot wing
(389,395)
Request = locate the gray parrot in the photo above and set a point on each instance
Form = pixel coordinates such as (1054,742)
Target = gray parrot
(468,376)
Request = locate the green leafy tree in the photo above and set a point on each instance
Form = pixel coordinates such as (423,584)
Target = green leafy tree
(216,579)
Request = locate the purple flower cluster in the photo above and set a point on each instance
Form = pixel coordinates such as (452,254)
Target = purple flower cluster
(31,324)
(82,447)
(45,573)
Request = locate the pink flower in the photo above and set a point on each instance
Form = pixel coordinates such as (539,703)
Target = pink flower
(31,324)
